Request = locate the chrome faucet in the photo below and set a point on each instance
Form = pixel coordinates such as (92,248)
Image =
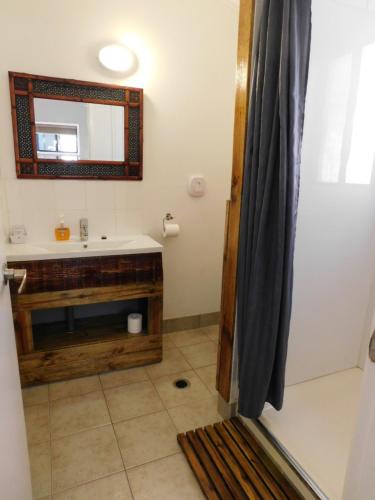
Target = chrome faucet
(84,229)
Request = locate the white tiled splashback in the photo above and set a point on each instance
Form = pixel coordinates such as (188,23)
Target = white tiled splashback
(113,208)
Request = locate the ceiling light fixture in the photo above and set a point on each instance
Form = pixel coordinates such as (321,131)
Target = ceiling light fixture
(117,58)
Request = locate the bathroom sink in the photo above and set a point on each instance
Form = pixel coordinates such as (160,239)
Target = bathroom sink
(65,246)
(73,246)
(91,248)
(107,244)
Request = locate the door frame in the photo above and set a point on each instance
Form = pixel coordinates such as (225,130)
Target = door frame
(233,209)
(15,476)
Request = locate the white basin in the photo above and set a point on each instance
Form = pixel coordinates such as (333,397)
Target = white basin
(74,246)
(76,249)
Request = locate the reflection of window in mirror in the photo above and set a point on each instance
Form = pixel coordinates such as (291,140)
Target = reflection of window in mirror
(57,141)
(84,130)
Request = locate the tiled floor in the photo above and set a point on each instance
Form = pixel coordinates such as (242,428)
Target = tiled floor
(113,436)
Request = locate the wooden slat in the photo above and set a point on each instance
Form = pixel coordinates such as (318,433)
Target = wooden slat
(204,481)
(245,465)
(106,271)
(227,457)
(258,465)
(130,344)
(222,467)
(47,369)
(24,325)
(48,300)
(278,476)
(155,315)
(229,281)
(209,466)
(238,473)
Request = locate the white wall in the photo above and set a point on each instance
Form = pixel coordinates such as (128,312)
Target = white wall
(187,53)
(334,260)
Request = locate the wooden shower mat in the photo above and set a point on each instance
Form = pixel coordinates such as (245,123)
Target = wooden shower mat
(229,462)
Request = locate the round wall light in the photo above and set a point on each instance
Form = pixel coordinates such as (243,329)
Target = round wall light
(117,58)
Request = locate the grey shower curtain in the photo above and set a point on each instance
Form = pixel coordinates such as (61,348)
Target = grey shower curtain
(269,201)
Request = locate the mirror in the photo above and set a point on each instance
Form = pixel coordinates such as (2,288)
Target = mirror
(74,129)
(71,131)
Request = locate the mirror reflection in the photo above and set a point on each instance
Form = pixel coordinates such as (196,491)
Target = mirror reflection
(71,130)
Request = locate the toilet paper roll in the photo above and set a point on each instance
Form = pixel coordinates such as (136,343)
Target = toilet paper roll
(170,229)
(134,323)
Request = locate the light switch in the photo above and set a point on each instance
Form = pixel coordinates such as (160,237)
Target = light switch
(197,185)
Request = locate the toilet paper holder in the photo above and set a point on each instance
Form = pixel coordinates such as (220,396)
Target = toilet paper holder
(167,217)
(170,227)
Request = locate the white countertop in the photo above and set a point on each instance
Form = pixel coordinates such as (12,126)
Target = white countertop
(76,249)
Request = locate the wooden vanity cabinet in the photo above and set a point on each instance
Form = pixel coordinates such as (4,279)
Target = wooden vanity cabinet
(95,346)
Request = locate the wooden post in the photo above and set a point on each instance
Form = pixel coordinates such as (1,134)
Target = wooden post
(155,315)
(26,330)
(229,282)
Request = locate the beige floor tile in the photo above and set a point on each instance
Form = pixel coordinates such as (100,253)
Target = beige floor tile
(190,337)
(213,332)
(168,341)
(172,396)
(37,423)
(84,457)
(78,413)
(166,479)
(197,414)
(75,387)
(114,487)
(123,377)
(35,395)
(173,362)
(208,375)
(132,400)
(146,438)
(40,465)
(200,354)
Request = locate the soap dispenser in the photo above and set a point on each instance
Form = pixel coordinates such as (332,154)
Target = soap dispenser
(62,232)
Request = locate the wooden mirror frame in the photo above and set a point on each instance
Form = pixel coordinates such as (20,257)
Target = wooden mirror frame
(25,87)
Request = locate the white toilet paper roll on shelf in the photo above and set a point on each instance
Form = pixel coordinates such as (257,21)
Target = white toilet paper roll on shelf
(170,229)
(134,323)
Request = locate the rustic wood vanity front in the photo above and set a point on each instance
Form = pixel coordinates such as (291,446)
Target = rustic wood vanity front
(49,352)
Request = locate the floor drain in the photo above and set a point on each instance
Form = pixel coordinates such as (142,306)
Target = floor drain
(181,383)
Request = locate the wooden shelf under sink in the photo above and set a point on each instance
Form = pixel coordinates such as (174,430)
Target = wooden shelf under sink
(87,331)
